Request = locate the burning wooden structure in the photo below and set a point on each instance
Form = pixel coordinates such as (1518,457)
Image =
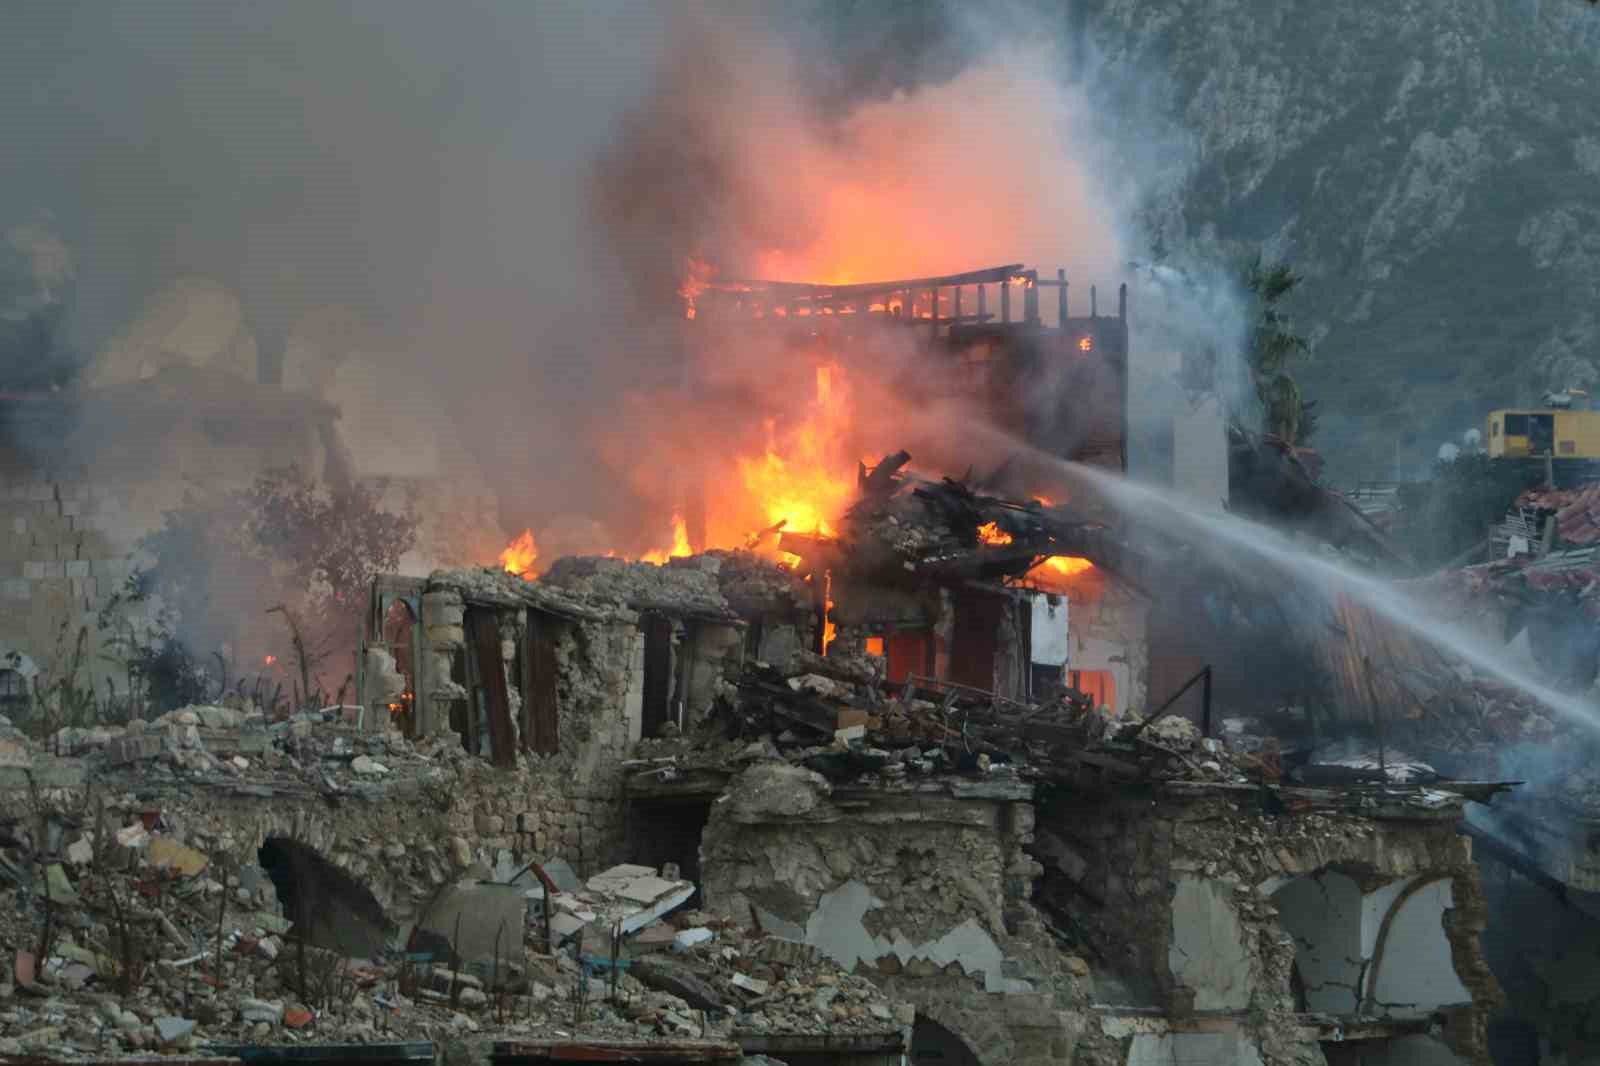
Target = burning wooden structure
(1062,378)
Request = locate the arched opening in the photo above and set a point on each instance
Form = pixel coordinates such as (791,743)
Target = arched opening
(399,635)
(934,1045)
(1365,946)
(328,908)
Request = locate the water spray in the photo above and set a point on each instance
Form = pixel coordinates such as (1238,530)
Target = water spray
(1268,545)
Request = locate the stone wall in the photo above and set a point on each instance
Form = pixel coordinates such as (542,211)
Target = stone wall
(926,890)
(64,552)
(1201,905)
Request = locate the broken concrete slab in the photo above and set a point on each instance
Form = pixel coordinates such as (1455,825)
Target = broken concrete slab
(646,889)
(479,920)
(171,1030)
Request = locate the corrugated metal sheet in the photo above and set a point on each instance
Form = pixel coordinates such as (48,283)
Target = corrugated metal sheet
(1375,670)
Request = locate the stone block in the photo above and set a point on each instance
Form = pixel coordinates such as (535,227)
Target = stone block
(129,749)
(19,525)
(85,589)
(35,570)
(71,508)
(446,636)
(76,567)
(16,588)
(40,490)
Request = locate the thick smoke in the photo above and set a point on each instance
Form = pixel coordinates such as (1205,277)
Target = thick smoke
(469,227)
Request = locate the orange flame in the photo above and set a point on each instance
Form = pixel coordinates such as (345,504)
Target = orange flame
(1067,565)
(680,544)
(991,533)
(802,478)
(697,275)
(520,555)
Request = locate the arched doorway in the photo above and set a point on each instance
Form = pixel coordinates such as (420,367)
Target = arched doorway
(934,1045)
(399,636)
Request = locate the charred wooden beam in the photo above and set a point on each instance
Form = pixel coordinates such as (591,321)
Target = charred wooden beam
(785,290)
(880,482)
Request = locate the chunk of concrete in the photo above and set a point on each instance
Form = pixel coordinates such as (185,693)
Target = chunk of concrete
(478,921)
(688,938)
(171,1030)
(775,791)
(261,1010)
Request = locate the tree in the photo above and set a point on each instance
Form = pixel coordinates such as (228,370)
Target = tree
(1444,518)
(1273,346)
(225,565)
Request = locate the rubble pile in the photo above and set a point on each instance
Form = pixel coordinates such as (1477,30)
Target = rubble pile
(327,750)
(124,938)
(685,586)
(838,716)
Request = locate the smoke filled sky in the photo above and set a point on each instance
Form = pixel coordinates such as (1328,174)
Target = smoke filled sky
(508,193)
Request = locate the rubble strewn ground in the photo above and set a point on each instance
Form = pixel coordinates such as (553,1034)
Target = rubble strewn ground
(837,855)
(149,943)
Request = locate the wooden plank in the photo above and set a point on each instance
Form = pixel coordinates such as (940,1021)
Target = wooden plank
(485,639)
(819,292)
(540,701)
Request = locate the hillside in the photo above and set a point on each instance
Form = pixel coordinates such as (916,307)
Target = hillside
(1432,166)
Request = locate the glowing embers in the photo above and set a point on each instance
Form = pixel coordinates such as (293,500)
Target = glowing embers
(520,555)
(991,533)
(697,274)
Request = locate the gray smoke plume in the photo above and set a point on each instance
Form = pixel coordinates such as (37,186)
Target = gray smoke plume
(494,206)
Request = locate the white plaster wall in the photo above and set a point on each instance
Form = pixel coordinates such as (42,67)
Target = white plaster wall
(1335,928)
(1193,1049)
(1049,642)
(1324,915)
(1207,952)
(1416,972)
(1112,636)
(836,929)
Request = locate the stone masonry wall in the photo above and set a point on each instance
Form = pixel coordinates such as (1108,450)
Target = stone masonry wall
(65,550)
(926,892)
(1178,900)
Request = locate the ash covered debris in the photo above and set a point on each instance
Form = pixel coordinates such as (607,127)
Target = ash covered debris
(869,796)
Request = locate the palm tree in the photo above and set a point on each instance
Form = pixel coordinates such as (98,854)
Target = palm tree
(1273,345)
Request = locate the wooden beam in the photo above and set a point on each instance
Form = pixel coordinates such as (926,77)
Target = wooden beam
(817,293)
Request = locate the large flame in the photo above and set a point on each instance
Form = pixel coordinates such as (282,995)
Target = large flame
(520,555)
(680,544)
(803,477)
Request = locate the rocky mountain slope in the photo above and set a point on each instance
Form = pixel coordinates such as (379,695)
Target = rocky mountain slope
(1432,166)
